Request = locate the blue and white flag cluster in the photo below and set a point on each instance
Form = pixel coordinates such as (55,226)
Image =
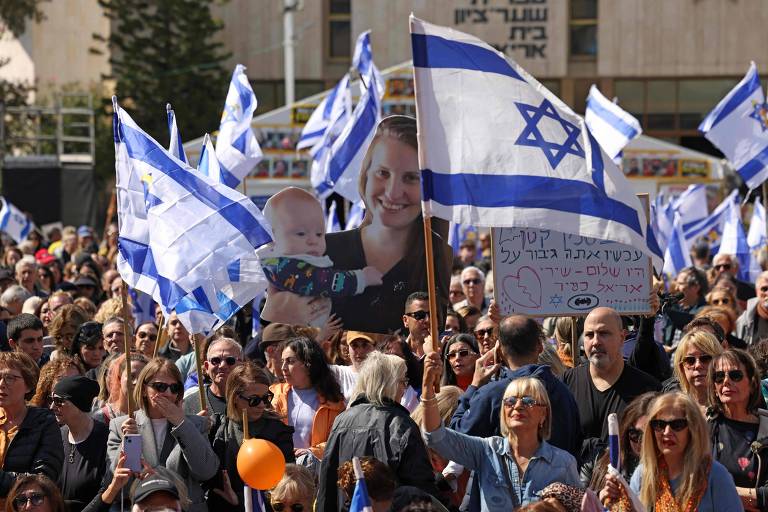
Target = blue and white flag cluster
(13,221)
(734,242)
(332,224)
(713,224)
(738,126)
(208,163)
(497,149)
(610,124)
(175,146)
(186,240)
(677,255)
(334,109)
(756,238)
(237,149)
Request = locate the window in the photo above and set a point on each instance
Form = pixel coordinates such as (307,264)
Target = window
(339,29)
(583,29)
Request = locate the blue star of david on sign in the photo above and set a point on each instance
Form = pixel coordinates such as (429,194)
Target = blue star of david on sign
(760,113)
(531,135)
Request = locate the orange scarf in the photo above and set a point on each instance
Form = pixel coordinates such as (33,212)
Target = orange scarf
(665,500)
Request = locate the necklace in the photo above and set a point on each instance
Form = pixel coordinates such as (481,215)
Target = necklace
(74,442)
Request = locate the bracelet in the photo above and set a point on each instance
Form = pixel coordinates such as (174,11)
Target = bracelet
(428,400)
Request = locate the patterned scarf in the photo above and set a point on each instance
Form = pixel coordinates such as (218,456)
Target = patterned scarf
(665,500)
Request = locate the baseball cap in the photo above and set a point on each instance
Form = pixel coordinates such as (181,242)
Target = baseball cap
(358,335)
(152,484)
(275,333)
(86,281)
(43,257)
(84,231)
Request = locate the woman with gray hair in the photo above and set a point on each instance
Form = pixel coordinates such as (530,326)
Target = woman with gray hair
(375,424)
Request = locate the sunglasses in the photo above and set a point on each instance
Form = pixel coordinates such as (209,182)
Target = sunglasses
(690,361)
(57,401)
(459,353)
(162,387)
(661,425)
(721,302)
(527,401)
(278,506)
(734,375)
(142,335)
(418,315)
(482,333)
(635,435)
(255,400)
(723,266)
(35,498)
(474,281)
(216,361)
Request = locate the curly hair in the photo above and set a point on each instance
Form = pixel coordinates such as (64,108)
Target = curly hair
(67,315)
(49,375)
(379,479)
(110,308)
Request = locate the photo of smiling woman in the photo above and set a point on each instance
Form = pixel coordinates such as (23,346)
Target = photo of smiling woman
(391,236)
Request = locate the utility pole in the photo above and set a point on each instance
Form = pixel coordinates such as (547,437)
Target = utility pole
(289,7)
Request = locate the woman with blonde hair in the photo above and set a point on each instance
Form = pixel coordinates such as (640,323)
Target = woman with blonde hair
(295,491)
(692,358)
(63,327)
(676,470)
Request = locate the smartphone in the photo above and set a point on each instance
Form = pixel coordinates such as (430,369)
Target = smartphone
(132,449)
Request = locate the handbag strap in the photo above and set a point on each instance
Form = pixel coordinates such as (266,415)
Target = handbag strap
(505,469)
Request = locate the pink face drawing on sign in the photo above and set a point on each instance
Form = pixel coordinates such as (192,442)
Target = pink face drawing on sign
(523,288)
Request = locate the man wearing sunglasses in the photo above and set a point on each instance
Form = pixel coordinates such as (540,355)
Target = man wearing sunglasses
(728,264)
(473,284)
(416,320)
(752,325)
(221,358)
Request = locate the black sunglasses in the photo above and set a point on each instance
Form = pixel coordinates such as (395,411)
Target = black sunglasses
(255,400)
(690,361)
(162,387)
(418,315)
(142,335)
(734,375)
(474,281)
(723,266)
(57,401)
(482,333)
(527,401)
(35,498)
(677,424)
(216,361)
(634,435)
(459,353)
(279,506)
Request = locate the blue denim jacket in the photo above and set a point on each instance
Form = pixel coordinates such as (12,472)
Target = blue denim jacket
(548,465)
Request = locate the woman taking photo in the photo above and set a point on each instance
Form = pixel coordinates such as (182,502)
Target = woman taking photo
(169,438)
(736,418)
(30,434)
(376,424)
(692,360)
(309,400)
(459,355)
(247,392)
(676,470)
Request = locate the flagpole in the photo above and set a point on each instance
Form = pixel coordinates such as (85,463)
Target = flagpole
(765,202)
(160,338)
(198,342)
(431,288)
(127,349)
(247,493)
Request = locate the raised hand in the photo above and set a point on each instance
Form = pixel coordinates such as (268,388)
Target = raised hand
(485,367)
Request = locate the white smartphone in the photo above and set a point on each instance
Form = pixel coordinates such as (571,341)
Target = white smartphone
(132,449)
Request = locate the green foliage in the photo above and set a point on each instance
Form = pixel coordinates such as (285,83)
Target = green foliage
(15,13)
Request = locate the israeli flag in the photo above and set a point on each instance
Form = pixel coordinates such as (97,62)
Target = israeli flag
(756,238)
(610,124)
(335,108)
(677,256)
(734,242)
(237,149)
(168,215)
(175,147)
(143,307)
(360,502)
(663,216)
(457,234)
(362,61)
(738,126)
(691,205)
(497,149)
(332,224)
(13,221)
(208,163)
(321,151)
(356,215)
(713,223)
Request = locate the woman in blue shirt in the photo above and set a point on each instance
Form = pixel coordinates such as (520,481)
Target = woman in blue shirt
(511,469)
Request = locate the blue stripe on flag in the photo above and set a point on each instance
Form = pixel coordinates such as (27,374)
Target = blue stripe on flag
(504,190)
(357,135)
(227,177)
(612,119)
(233,271)
(239,143)
(750,169)
(598,166)
(739,96)
(140,259)
(243,93)
(328,107)
(312,135)
(25,230)
(676,252)
(202,299)
(142,148)
(437,52)
(227,307)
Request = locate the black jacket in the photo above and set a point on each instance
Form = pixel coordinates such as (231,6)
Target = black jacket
(385,432)
(36,448)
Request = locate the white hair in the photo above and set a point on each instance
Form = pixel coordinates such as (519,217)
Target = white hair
(31,305)
(480,272)
(227,341)
(25,260)
(12,294)
(379,377)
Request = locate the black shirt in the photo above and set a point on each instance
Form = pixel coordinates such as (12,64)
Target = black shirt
(595,405)
(732,447)
(84,466)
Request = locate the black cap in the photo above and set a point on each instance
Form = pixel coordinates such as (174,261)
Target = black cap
(86,281)
(79,390)
(152,484)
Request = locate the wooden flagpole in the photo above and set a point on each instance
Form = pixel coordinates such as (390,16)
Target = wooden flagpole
(127,342)
(198,342)
(161,335)
(431,287)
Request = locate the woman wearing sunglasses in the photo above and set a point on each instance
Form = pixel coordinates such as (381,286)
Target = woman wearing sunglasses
(34,492)
(692,360)
(738,425)
(521,459)
(676,471)
(169,438)
(724,297)
(247,392)
(459,355)
(145,338)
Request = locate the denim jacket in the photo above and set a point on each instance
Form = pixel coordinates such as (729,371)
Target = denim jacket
(548,465)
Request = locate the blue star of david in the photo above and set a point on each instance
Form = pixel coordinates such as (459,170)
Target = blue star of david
(556,300)
(760,113)
(531,135)
(231,113)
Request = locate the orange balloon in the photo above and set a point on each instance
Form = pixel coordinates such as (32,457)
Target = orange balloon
(260,464)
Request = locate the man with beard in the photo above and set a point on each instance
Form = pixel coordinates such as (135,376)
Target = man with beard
(606,384)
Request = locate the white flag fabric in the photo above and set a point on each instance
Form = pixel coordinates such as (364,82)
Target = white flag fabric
(691,205)
(609,124)
(677,256)
(497,149)
(734,242)
(335,108)
(362,60)
(738,126)
(237,149)
(356,215)
(663,215)
(756,238)
(175,147)
(13,221)
(185,239)
(208,163)
(713,223)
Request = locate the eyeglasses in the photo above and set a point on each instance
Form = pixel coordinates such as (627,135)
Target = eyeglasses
(255,400)
(527,401)
(635,435)
(418,315)
(721,302)
(734,375)
(690,361)
(142,335)
(459,353)
(162,387)
(35,498)
(278,506)
(474,280)
(723,266)
(216,361)
(57,401)
(482,333)
(661,425)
